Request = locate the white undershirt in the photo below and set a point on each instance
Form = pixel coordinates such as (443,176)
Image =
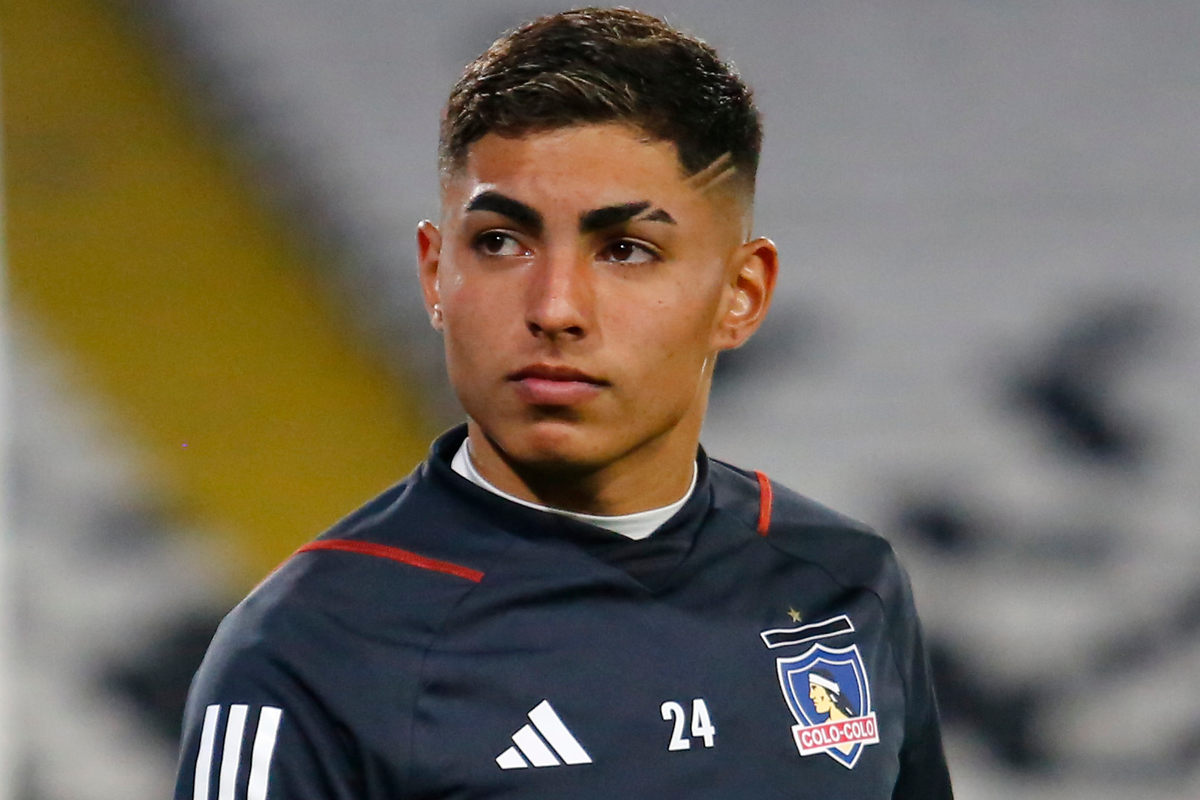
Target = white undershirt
(635,526)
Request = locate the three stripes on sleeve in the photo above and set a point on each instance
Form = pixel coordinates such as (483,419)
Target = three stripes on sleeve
(265,734)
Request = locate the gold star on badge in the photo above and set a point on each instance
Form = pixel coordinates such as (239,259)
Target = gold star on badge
(794,614)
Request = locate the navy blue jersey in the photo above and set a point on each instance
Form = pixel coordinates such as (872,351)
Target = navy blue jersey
(443,642)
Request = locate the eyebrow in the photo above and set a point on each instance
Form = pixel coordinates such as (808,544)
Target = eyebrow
(608,216)
(506,206)
(589,222)
(658,215)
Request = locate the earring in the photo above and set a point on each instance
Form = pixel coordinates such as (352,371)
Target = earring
(436,321)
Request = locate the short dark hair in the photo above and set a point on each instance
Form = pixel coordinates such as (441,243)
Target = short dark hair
(597,65)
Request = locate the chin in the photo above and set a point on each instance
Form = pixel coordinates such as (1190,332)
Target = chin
(552,443)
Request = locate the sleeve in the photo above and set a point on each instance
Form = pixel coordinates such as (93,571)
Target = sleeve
(924,774)
(254,728)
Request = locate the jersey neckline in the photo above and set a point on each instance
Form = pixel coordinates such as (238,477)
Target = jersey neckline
(650,561)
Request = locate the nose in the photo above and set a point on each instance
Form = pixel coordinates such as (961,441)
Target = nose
(561,297)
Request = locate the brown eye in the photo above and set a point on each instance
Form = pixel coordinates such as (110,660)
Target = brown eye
(625,251)
(491,243)
(495,243)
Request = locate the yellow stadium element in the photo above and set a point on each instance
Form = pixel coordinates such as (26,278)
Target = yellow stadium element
(185,303)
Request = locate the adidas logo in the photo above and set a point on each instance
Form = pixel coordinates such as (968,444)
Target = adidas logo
(544,743)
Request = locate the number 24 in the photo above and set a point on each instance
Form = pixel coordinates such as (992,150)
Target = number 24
(702,726)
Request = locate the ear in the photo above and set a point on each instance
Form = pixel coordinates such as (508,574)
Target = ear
(429,254)
(748,295)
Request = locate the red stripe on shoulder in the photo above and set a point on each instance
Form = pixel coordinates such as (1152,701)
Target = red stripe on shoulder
(764,503)
(395,554)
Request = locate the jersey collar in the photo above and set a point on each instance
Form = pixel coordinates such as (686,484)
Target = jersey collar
(650,561)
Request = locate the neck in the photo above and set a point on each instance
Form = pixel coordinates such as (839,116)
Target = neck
(654,475)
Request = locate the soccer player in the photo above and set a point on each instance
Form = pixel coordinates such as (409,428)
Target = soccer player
(569,598)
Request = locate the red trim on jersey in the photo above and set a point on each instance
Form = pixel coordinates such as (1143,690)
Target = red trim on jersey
(764,503)
(395,554)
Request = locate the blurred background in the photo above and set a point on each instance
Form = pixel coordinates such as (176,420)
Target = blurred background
(986,343)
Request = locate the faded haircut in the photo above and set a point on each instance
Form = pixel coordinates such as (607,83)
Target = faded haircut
(598,65)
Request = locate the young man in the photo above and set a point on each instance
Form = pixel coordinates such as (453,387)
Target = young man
(569,598)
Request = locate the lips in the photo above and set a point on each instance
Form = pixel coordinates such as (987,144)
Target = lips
(555,385)
(550,372)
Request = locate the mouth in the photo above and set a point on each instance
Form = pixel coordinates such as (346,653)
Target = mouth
(555,385)
(550,372)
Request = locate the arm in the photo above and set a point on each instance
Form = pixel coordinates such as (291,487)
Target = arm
(923,771)
(254,728)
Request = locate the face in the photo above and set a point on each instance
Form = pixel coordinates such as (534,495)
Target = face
(583,285)
(820,698)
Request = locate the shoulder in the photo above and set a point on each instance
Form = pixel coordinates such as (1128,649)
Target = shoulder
(379,584)
(799,527)
(334,641)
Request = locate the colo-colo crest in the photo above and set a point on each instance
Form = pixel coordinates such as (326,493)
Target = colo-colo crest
(828,692)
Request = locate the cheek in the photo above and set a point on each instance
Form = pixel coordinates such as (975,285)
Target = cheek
(475,304)
(676,324)
(472,318)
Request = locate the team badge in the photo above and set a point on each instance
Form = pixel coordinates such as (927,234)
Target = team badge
(829,694)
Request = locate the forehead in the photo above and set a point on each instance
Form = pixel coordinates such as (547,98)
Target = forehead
(592,164)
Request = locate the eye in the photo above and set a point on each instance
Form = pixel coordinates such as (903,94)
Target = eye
(497,243)
(625,251)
